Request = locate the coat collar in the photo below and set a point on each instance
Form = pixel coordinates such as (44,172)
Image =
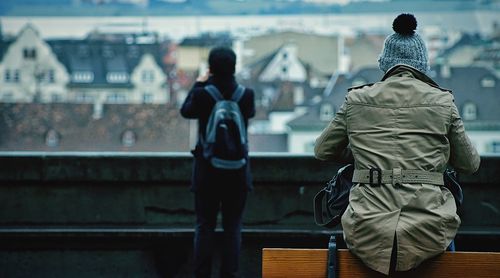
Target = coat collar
(413,71)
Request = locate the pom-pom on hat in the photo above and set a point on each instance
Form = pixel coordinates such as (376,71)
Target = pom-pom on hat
(404,46)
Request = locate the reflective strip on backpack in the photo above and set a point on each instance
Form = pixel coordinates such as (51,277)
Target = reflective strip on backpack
(238,118)
(228,164)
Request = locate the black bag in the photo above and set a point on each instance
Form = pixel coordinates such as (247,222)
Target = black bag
(332,200)
(335,197)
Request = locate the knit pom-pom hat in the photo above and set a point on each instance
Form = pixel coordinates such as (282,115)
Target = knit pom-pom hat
(404,46)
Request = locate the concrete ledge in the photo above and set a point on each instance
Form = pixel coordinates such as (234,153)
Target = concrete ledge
(176,167)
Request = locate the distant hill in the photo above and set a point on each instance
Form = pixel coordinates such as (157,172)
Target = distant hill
(224,7)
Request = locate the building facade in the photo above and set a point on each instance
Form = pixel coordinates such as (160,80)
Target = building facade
(107,68)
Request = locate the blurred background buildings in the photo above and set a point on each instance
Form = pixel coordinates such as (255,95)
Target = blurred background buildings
(114,81)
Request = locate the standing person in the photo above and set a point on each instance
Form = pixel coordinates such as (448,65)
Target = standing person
(402,132)
(218,188)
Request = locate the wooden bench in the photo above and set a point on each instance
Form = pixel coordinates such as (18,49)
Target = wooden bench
(311,263)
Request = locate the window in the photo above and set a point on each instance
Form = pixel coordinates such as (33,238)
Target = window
(495,147)
(11,76)
(55,97)
(488,82)
(147,98)
(7,97)
(148,76)
(469,111)
(51,76)
(309,146)
(52,138)
(83,77)
(326,112)
(29,53)
(7,76)
(133,51)
(128,138)
(107,51)
(17,76)
(116,98)
(83,51)
(84,97)
(117,77)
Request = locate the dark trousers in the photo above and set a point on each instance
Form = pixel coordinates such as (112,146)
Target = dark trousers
(230,201)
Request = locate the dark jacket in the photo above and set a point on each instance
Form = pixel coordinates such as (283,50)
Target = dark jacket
(198,105)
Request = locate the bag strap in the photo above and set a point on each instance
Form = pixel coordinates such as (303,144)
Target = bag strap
(318,211)
(332,257)
(217,95)
(214,92)
(238,93)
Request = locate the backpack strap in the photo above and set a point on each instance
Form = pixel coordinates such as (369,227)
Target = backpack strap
(214,92)
(238,93)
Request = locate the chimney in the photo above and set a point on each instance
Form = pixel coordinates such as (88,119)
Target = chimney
(97,110)
(445,70)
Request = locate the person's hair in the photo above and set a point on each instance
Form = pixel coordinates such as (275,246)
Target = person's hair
(222,61)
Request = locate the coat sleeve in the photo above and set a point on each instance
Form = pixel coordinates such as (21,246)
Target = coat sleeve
(190,107)
(248,110)
(333,142)
(463,155)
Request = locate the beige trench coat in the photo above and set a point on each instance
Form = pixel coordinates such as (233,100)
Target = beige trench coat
(404,121)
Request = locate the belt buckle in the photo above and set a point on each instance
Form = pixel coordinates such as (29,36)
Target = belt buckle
(379,176)
(397,176)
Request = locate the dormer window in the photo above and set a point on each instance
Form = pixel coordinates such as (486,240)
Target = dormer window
(133,51)
(469,111)
(488,82)
(117,77)
(52,138)
(83,77)
(29,53)
(326,112)
(83,51)
(128,138)
(107,51)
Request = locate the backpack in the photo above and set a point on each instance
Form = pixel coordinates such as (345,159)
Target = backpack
(225,141)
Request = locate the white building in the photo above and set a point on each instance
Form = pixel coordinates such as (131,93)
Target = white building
(99,69)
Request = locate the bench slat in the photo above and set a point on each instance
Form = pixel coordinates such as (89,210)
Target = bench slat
(311,263)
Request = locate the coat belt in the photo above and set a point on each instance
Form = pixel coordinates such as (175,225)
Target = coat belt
(397,175)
